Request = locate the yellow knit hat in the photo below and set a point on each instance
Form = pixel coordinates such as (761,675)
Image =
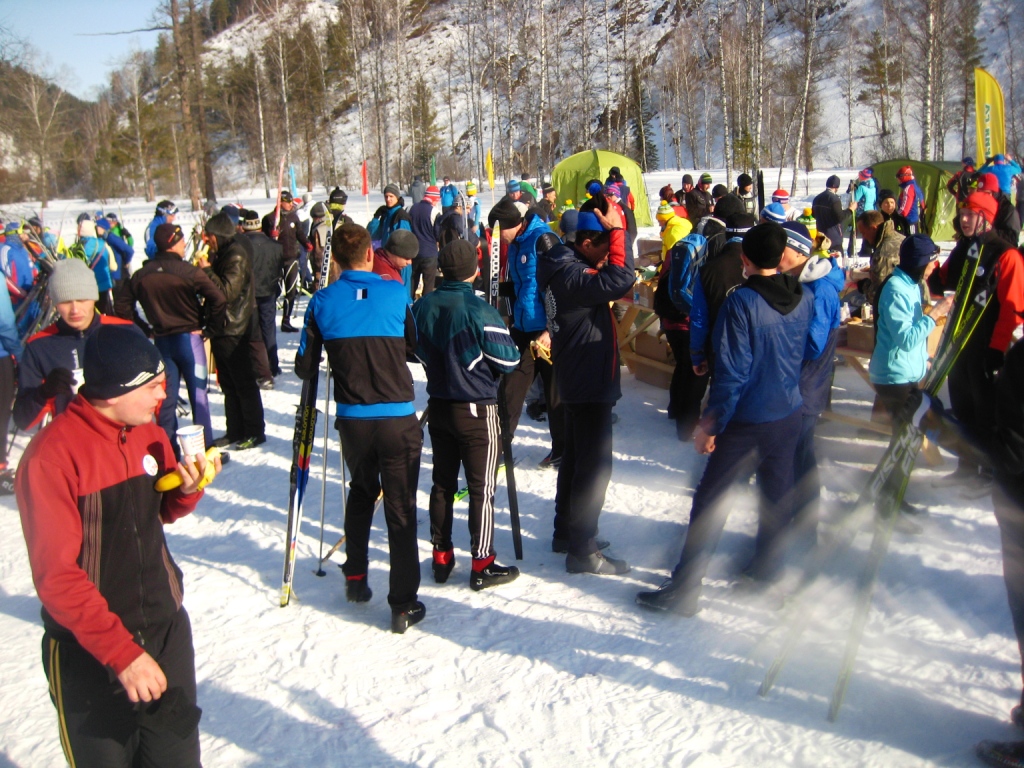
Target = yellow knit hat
(665,212)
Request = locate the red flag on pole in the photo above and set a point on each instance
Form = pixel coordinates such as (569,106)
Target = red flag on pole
(366,181)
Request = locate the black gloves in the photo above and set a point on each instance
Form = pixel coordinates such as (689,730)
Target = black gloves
(993,362)
(58,382)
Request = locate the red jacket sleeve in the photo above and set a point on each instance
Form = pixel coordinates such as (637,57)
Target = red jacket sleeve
(617,247)
(1010,291)
(906,201)
(47,501)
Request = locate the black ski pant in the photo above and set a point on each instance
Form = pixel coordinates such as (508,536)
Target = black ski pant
(687,389)
(258,350)
(518,383)
(425,267)
(7,378)
(383,454)
(99,726)
(466,434)
(767,448)
(266,308)
(583,474)
(243,406)
(1008,503)
(972,397)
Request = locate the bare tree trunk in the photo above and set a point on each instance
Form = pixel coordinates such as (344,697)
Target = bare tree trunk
(928,93)
(186,108)
(727,128)
(810,38)
(258,75)
(177,161)
(200,109)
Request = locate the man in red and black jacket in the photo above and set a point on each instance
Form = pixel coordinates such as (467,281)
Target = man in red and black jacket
(1000,271)
(116,633)
(50,369)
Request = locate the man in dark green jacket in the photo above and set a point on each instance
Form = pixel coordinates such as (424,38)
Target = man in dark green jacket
(465,347)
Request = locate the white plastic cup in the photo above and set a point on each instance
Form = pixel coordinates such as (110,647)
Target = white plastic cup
(191,441)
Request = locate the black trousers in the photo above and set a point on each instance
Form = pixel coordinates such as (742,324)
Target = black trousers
(1010,516)
(583,474)
(383,454)
(741,448)
(243,406)
(687,388)
(6,401)
(466,434)
(425,268)
(266,308)
(99,726)
(518,383)
(972,397)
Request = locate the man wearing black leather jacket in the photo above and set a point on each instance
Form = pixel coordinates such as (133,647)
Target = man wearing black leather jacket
(231,270)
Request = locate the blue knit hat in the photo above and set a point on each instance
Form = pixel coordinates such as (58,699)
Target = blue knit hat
(774,212)
(511,186)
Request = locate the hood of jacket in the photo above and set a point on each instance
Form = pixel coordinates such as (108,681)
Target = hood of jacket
(817,269)
(782,292)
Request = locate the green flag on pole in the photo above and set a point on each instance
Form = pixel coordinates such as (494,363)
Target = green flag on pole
(433,170)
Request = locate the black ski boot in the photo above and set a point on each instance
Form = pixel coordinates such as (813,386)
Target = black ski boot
(357,589)
(491,575)
(444,562)
(596,562)
(671,598)
(404,616)
(1002,754)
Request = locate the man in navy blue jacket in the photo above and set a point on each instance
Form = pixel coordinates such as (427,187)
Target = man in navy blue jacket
(365,324)
(465,347)
(578,281)
(753,411)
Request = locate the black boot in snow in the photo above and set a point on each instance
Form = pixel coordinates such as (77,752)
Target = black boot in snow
(671,597)
(357,589)
(491,575)
(404,616)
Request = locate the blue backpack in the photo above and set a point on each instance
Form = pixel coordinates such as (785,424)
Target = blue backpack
(684,261)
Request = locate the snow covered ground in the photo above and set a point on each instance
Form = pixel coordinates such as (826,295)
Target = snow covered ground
(559,669)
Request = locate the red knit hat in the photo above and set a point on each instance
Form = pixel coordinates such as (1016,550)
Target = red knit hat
(780,196)
(988,182)
(984,204)
(433,193)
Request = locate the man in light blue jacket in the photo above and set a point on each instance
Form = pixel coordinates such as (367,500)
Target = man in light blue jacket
(900,359)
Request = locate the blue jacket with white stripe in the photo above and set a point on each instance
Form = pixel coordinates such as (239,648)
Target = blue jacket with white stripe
(463,343)
(364,322)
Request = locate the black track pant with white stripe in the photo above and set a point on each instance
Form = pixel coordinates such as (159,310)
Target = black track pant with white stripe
(467,434)
(99,726)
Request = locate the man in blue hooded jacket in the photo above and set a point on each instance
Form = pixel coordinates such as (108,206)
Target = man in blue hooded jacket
(753,412)
(165,212)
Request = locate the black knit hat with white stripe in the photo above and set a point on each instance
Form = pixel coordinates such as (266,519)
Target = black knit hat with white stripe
(118,359)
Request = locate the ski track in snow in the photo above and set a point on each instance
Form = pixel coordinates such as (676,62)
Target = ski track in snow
(559,668)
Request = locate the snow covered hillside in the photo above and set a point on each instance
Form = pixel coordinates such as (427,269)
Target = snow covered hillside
(558,669)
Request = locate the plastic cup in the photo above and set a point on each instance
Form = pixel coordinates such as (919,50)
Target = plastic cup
(191,441)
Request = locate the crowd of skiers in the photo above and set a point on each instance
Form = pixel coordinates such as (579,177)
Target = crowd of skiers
(750,301)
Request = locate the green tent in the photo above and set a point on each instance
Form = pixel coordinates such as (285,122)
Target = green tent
(932,178)
(570,178)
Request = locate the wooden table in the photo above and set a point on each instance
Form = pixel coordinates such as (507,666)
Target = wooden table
(643,318)
(856,358)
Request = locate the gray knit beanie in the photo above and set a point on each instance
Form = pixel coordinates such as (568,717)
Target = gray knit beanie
(72,280)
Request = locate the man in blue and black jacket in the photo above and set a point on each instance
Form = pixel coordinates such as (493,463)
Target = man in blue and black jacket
(365,324)
(579,282)
(754,411)
(465,347)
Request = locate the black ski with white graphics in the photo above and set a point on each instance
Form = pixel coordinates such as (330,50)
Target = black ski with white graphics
(302,451)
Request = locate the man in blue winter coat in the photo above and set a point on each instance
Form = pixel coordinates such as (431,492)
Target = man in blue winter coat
(754,411)
(423,218)
(528,239)
(166,211)
(824,279)
(465,348)
(1005,169)
(578,282)
(449,194)
(16,263)
(122,252)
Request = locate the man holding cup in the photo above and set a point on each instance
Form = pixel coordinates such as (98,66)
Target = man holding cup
(117,645)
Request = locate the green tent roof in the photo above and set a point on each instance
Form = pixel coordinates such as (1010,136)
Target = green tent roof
(570,178)
(932,178)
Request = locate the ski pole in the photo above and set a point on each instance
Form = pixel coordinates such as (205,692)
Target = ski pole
(323,481)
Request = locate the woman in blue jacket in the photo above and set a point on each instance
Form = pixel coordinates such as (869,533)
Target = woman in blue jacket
(900,359)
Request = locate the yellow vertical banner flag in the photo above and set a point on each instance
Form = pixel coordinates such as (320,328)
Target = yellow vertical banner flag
(490,169)
(991,123)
